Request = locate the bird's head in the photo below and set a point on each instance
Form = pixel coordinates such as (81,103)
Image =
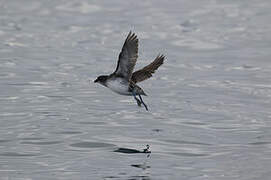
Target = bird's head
(101,79)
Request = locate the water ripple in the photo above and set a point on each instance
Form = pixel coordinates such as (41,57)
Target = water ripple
(41,142)
(15,154)
(190,154)
(86,144)
(185,142)
(260,143)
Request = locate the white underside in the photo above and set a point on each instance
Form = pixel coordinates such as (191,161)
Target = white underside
(118,86)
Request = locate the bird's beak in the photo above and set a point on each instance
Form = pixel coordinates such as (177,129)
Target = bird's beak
(96,80)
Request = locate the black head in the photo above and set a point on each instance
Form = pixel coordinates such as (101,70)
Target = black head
(101,79)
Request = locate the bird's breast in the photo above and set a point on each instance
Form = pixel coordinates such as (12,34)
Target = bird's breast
(119,86)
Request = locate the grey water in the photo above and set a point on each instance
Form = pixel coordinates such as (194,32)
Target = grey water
(209,104)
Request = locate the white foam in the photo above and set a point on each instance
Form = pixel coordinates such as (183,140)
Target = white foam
(82,7)
(12,44)
(196,44)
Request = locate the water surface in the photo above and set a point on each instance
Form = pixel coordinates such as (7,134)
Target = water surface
(209,103)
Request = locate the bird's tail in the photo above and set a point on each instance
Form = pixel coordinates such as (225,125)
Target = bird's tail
(143,93)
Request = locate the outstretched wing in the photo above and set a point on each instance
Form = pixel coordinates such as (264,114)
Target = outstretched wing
(127,57)
(147,71)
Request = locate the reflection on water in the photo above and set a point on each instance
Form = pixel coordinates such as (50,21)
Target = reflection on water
(133,151)
(209,103)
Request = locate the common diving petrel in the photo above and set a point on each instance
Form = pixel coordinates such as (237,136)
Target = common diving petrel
(124,81)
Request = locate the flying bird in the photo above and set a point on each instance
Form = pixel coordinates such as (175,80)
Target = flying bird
(123,80)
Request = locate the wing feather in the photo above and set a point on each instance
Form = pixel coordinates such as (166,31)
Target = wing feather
(148,70)
(127,57)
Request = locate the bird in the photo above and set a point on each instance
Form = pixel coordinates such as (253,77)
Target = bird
(123,80)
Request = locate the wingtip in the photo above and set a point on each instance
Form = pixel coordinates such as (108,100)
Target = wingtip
(161,57)
(131,36)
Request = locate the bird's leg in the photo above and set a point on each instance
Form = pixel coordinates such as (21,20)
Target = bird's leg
(143,102)
(137,100)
